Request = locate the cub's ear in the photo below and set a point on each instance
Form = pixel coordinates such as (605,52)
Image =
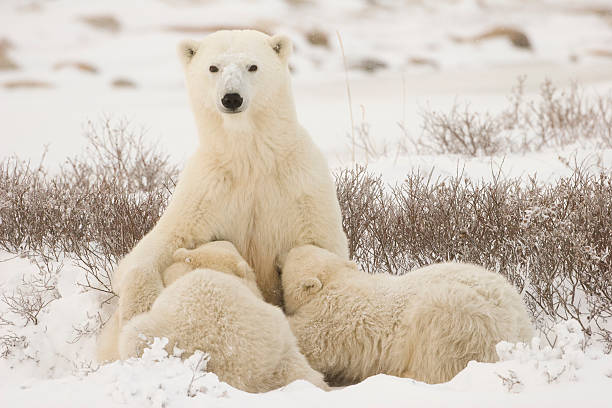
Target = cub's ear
(282,46)
(181,255)
(187,50)
(310,286)
(243,268)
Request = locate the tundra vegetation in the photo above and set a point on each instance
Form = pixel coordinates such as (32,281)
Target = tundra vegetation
(551,240)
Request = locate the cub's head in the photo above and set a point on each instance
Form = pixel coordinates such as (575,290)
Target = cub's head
(308,269)
(221,256)
(233,72)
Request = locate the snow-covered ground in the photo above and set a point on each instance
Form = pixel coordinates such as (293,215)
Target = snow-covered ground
(566,43)
(427,59)
(56,369)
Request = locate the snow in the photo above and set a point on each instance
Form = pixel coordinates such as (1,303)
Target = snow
(144,50)
(570,373)
(52,362)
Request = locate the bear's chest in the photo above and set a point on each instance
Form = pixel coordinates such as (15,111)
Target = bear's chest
(256,213)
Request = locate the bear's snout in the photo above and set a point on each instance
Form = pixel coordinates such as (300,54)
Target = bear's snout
(231,101)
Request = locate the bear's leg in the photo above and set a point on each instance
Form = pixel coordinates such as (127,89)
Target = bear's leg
(137,278)
(173,272)
(294,366)
(317,226)
(107,345)
(449,328)
(138,333)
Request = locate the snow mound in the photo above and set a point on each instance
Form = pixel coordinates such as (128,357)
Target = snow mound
(565,359)
(155,380)
(158,378)
(570,371)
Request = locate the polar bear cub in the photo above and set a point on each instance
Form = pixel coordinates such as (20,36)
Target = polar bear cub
(426,325)
(221,256)
(249,341)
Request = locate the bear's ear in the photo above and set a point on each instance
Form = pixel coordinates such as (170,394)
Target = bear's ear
(187,50)
(282,46)
(180,255)
(244,269)
(310,286)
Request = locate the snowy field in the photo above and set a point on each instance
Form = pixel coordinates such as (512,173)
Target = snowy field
(63,63)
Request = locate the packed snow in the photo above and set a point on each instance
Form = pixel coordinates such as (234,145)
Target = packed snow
(422,54)
(56,366)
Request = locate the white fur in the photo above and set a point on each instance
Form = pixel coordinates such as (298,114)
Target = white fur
(234,79)
(249,341)
(256,179)
(220,256)
(426,325)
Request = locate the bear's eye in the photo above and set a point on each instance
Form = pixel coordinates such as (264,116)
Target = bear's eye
(253,68)
(213,68)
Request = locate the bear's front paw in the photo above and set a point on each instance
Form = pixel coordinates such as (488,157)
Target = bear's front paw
(138,292)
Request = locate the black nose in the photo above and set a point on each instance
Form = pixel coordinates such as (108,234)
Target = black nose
(232,101)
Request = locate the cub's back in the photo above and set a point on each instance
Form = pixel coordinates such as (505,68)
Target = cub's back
(222,310)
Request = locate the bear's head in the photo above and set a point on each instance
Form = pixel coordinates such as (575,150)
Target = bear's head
(235,75)
(220,256)
(307,270)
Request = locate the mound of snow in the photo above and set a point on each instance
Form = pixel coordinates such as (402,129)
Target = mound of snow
(157,380)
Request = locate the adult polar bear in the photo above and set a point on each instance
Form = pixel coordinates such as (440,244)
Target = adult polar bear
(256,179)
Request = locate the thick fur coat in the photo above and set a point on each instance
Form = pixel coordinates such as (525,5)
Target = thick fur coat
(221,256)
(256,179)
(426,325)
(249,341)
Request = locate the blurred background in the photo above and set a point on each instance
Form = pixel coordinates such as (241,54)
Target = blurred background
(64,63)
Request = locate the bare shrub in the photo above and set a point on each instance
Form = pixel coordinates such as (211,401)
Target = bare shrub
(6,63)
(94,209)
(123,83)
(365,147)
(563,117)
(81,66)
(34,293)
(26,83)
(90,327)
(462,132)
(317,37)
(517,37)
(511,382)
(198,371)
(555,119)
(103,22)
(21,214)
(552,242)
(10,340)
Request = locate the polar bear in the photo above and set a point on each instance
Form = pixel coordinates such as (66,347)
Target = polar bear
(426,325)
(256,179)
(249,341)
(221,256)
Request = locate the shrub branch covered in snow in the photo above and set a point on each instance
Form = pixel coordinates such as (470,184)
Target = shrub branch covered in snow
(94,209)
(556,363)
(34,293)
(551,241)
(557,118)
